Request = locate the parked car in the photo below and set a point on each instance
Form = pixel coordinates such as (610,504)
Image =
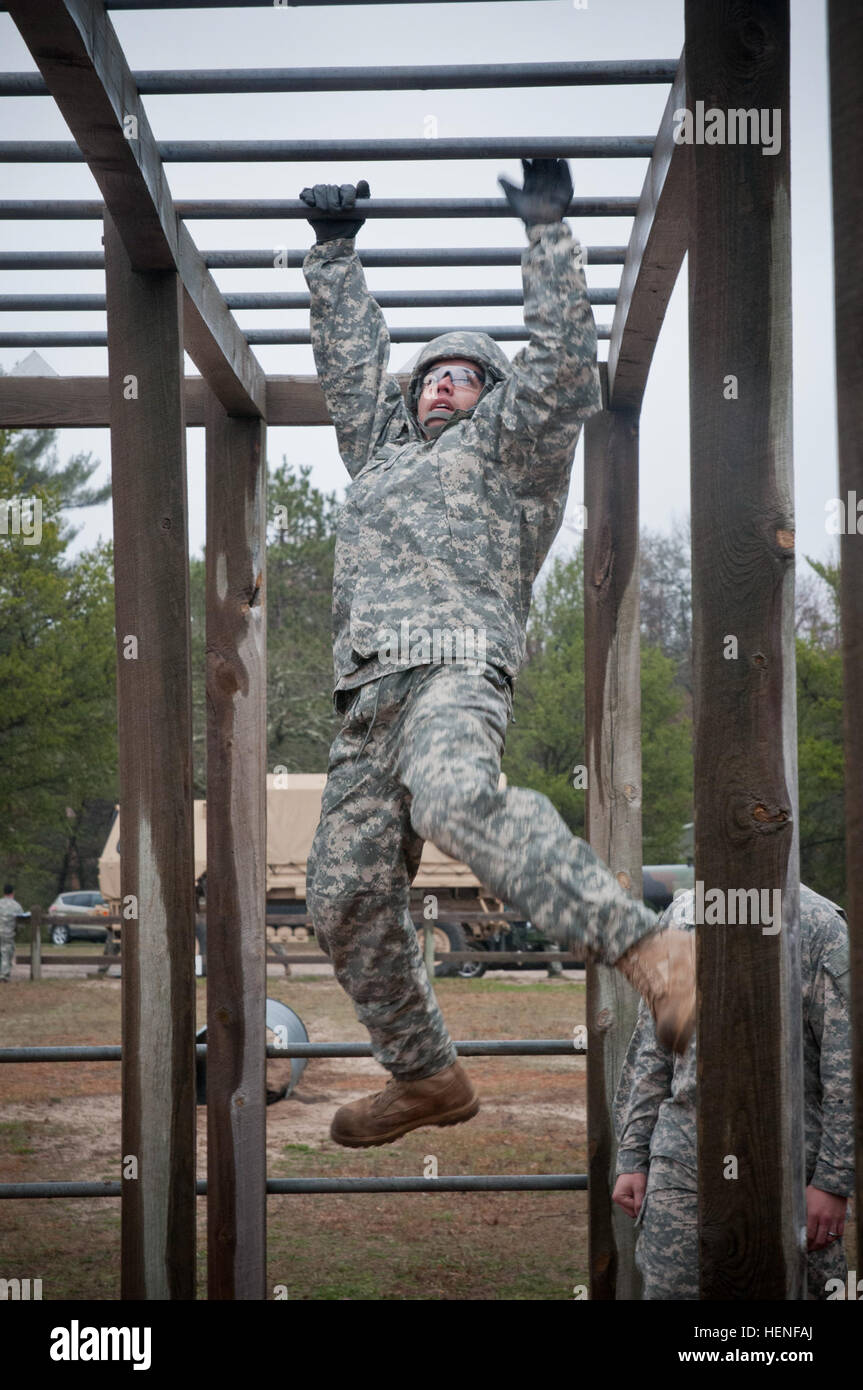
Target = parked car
(82,904)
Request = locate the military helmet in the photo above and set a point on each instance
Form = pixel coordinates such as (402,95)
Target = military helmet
(475,346)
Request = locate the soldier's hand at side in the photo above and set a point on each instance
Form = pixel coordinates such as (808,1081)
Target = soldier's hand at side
(825,1218)
(629,1192)
(333,198)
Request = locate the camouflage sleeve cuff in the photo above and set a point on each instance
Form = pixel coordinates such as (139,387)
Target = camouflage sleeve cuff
(631,1161)
(551,232)
(323,251)
(829,1180)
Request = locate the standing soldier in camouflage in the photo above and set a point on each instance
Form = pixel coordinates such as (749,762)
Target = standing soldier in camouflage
(655,1117)
(9,910)
(456,496)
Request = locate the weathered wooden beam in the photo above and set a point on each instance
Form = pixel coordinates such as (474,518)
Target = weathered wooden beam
(77,50)
(657,245)
(750,1078)
(151,579)
(846,112)
(236,855)
(612,725)
(28,402)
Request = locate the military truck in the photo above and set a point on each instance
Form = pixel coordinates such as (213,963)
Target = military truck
(465,915)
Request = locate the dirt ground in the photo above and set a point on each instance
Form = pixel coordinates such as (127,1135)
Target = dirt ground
(63,1122)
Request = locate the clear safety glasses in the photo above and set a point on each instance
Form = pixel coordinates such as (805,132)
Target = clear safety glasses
(459,376)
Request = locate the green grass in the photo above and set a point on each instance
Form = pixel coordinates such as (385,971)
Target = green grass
(14,1137)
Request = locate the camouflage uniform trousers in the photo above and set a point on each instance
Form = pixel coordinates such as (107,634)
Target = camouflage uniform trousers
(667,1250)
(7,946)
(418,758)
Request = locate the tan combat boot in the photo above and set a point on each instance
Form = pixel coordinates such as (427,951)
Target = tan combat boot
(447,1098)
(661,967)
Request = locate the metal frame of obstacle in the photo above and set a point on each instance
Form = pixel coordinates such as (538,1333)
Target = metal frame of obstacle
(503,1182)
(745,806)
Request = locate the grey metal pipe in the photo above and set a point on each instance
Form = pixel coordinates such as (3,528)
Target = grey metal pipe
(16,1191)
(520,1182)
(489,1047)
(70,1053)
(196,81)
(475,1047)
(264,260)
(387,299)
(375,151)
(293,209)
(260,337)
(254,4)
(510,1182)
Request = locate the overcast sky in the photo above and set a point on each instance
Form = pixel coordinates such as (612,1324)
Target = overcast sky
(403,34)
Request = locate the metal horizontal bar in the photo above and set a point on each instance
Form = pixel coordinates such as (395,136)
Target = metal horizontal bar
(317,151)
(80,57)
(526,1182)
(259,337)
(266,260)
(476,1047)
(293,209)
(387,299)
(193,81)
(17,1191)
(70,1053)
(515,1182)
(258,4)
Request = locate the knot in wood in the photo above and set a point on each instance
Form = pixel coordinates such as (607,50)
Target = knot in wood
(759,659)
(765,817)
(166,523)
(754,38)
(224,674)
(785,539)
(624,880)
(604,1020)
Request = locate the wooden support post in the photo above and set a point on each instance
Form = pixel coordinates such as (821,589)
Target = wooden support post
(657,245)
(35,943)
(846,113)
(236,855)
(612,720)
(148,469)
(750,1074)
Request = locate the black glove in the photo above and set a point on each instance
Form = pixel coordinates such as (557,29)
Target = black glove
(546,194)
(329,197)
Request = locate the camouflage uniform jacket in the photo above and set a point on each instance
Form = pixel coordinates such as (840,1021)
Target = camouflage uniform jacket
(654,1106)
(9,910)
(449,532)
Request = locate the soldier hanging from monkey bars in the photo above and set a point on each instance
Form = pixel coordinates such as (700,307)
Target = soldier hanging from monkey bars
(456,496)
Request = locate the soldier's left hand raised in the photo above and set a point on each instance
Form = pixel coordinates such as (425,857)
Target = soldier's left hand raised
(547,191)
